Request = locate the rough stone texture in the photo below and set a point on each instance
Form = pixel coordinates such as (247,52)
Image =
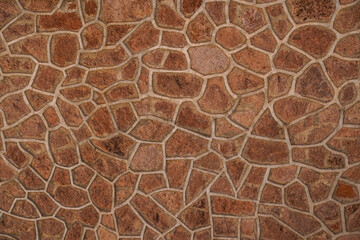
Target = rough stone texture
(179,119)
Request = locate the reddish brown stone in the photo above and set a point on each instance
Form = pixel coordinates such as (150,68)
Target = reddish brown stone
(225,227)
(171,200)
(89,9)
(119,145)
(105,234)
(266,152)
(50,229)
(14,108)
(177,171)
(16,64)
(47,78)
(248,229)
(228,148)
(64,49)
(35,46)
(282,175)
(251,187)
(178,233)
(82,176)
(250,18)
(23,26)
(70,113)
(314,84)
(177,85)
(51,117)
(210,162)
(128,222)
(264,40)
(60,20)
(322,235)
(295,197)
(290,108)
(352,217)
(43,202)
(190,118)
(223,128)
(241,81)
(189,7)
(37,100)
(341,71)
(70,196)
(152,213)
(173,39)
(9,191)
(222,185)
(18,228)
(124,187)
(347,94)
(216,10)
(166,15)
(279,20)
(15,155)
(10,84)
(279,84)
(289,59)
(347,19)
(271,194)
(151,106)
(92,36)
(266,126)
(24,208)
(165,59)
(329,213)
(30,180)
(315,40)
(352,173)
(9,10)
(198,181)
(315,128)
(148,157)
(319,184)
(349,46)
(124,115)
(311,11)
(208,59)
(272,229)
(318,157)
(345,192)
(143,81)
(100,123)
(253,60)
(302,223)
(116,32)
(144,37)
(101,194)
(197,214)
(31,128)
(150,234)
(104,58)
(6,172)
(151,182)
(76,94)
(229,206)
(151,130)
(247,109)
(236,169)
(74,75)
(346,140)
(229,37)
(125,11)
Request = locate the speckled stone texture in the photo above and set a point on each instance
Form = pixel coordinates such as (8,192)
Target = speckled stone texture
(179,119)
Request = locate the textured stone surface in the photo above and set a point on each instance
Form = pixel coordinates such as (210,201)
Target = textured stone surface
(179,119)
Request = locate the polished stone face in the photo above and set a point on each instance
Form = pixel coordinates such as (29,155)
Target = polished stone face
(180,119)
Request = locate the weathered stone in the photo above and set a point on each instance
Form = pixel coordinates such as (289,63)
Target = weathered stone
(14,108)
(264,40)
(223,128)
(119,145)
(89,9)
(173,39)
(124,187)
(43,202)
(151,106)
(250,18)
(74,75)
(144,37)
(50,229)
(16,64)
(279,20)
(236,169)
(104,58)
(38,100)
(30,180)
(225,227)
(189,7)
(208,59)
(23,26)
(329,213)
(64,48)
(251,187)
(198,182)
(92,36)
(289,59)
(253,59)
(70,113)
(165,59)
(82,176)
(315,40)
(100,123)
(352,216)
(171,200)
(177,171)
(229,37)
(9,10)
(24,208)
(271,194)
(116,32)
(178,233)
(128,222)
(166,15)
(216,10)
(315,128)
(267,126)
(148,157)
(125,11)
(18,228)
(210,162)
(35,46)
(197,214)
(151,130)
(9,191)
(31,128)
(232,207)
(10,84)
(247,109)
(347,94)
(223,186)
(352,173)
(241,81)
(347,19)
(51,117)
(228,148)
(345,192)
(177,85)
(101,194)
(349,46)
(295,197)
(314,84)
(346,140)
(272,229)
(341,71)
(282,175)
(311,11)
(279,84)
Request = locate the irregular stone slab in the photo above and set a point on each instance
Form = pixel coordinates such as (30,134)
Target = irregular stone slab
(347,19)
(184,144)
(125,11)
(253,59)
(289,59)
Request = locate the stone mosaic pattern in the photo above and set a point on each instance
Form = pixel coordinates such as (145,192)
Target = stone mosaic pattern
(179,119)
